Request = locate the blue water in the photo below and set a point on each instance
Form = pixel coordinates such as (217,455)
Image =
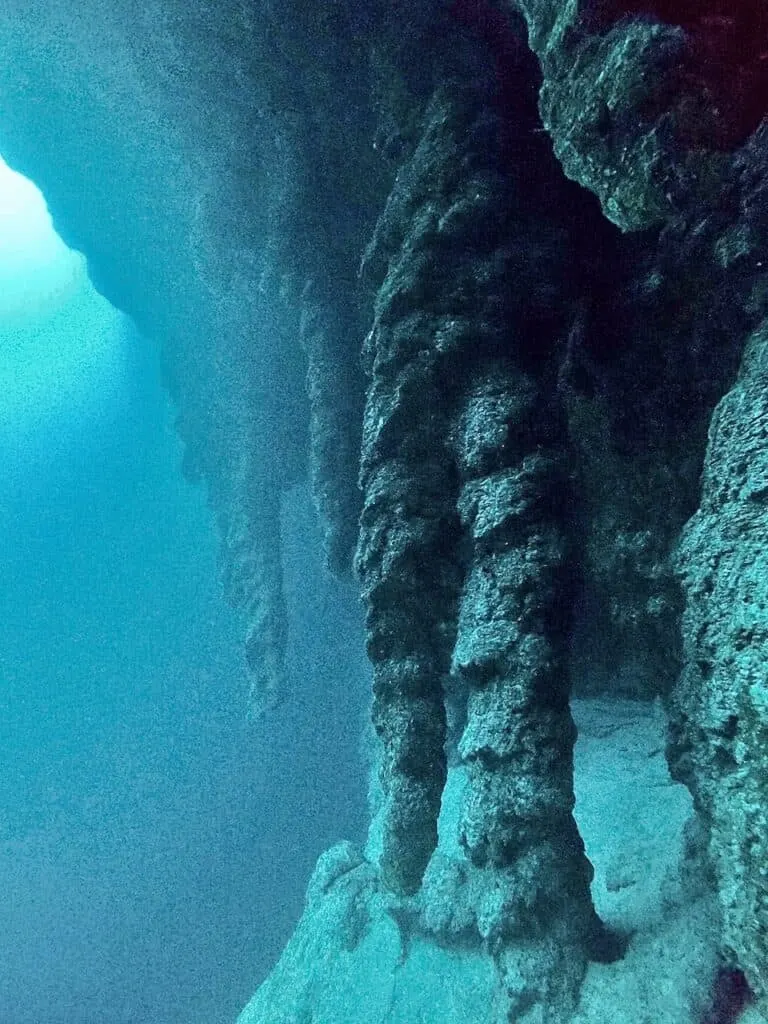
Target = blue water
(154,843)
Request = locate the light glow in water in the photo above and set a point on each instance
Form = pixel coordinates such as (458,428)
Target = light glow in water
(37,270)
(62,345)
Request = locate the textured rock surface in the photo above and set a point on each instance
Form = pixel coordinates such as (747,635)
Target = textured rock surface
(361,955)
(721,703)
(594,99)
(510,652)
(529,419)
(647,101)
(463,556)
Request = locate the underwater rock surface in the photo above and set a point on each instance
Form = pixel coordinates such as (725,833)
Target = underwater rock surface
(480,271)
(359,955)
(721,703)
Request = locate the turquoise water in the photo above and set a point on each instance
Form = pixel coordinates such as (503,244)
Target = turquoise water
(154,844)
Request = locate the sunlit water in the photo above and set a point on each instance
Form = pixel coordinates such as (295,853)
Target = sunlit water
(154,846)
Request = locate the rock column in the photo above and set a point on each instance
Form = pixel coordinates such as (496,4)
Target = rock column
(464,554)
(517,828)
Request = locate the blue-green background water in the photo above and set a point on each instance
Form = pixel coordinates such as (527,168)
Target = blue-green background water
(154,845)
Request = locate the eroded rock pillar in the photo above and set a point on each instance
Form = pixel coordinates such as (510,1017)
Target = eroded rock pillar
(517,825)
(464,553)
(404,559)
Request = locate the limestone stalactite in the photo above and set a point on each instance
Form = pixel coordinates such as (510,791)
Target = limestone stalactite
(464,553)
(330,337)
(405,561)
(512,655)
(252,577)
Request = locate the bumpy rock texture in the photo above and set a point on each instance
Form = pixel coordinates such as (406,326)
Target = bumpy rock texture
(722,699)
(482,270)
(464,556)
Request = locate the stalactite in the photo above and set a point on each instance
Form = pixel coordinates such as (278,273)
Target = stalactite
(330,336)
(405,563)
(464,555)
(511,653)
(252,578)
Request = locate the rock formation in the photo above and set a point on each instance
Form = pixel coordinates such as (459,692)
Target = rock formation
(483,271)
(721,701)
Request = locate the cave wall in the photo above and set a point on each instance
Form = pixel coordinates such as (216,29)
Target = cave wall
(719,719)
(503,266)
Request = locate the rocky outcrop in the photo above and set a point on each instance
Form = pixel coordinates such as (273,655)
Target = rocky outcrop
(721,704)
(647,100)
(599,103)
